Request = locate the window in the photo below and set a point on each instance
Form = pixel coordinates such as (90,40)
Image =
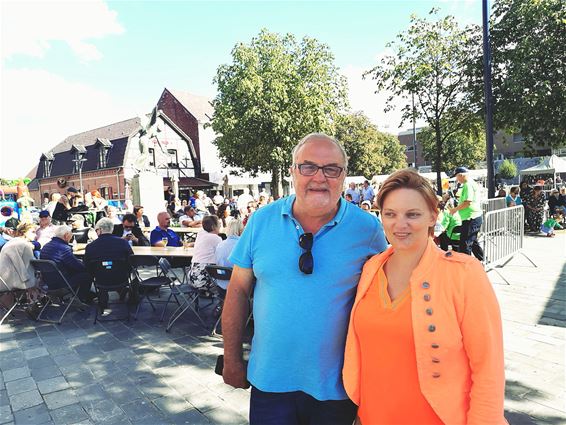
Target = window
(47,160)
(102,157)
(518,138)
(105,192)
(151,157)
(173,160)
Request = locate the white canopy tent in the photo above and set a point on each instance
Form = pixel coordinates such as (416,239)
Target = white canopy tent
(549,165)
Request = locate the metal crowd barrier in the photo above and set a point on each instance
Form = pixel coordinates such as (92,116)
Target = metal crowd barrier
(493,204)
(503,234)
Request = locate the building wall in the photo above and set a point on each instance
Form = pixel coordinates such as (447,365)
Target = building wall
(183,119)
(110,179)
(406,139)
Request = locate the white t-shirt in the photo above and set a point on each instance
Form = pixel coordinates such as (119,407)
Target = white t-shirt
(205,247)
(185,218)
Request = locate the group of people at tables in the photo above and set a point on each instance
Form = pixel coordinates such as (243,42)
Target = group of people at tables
(111,241)
(354,318)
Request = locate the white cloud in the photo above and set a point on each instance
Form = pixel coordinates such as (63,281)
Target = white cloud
(363,98)
(28,28)
(39,109)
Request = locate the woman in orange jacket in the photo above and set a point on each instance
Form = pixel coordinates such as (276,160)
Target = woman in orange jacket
(424,344)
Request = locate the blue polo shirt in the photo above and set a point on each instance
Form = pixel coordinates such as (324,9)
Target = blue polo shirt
(158,234)
(300,320)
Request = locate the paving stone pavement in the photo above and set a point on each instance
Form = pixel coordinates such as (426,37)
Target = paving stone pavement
(121,373)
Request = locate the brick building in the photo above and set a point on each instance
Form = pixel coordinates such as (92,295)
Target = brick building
(107,154)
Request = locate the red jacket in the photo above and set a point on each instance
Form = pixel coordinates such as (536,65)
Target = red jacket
(458,337)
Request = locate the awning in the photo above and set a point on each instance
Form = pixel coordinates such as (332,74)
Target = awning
(189,182)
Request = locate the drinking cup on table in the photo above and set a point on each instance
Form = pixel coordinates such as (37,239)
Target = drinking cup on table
(164,240)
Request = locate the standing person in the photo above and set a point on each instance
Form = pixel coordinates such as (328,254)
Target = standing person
(367,192)
(61,211)
(141,219)
(535,209)
(218,199)
(54,200)
(425,344)
(470,212)
(354,193)
(306,264)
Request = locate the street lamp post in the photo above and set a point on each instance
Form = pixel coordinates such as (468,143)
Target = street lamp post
(488,100)
(79,161)
(414,131)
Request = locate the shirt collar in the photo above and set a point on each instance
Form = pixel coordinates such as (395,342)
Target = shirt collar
(287,209)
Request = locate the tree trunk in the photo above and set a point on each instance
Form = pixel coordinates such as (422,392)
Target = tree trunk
(276,189)
(438,160)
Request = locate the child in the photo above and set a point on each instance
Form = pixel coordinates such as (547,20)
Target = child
(549,225)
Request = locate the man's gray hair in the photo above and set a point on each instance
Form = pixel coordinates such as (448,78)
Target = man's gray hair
(61,231)
(106,225)
(322,136)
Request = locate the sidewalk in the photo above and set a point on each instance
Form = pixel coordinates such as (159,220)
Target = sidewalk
(114,373)
(533,307)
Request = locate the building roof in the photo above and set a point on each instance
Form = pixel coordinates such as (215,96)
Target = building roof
(199,106)
(114,131)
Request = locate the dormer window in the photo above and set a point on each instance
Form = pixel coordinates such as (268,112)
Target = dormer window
(47,159)
(103,146)
(79,153)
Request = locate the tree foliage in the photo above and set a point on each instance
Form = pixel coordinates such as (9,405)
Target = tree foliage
(369,151)
(432,60)
(465,147)
(507,170)
(529,82)
(275,91)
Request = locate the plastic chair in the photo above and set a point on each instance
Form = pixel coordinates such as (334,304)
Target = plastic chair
(50,272)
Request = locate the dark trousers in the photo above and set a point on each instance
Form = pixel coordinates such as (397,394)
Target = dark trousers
(469,237)
(81,280)
(444,241)
(298,408)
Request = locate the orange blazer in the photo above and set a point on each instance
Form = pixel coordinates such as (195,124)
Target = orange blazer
(458,337)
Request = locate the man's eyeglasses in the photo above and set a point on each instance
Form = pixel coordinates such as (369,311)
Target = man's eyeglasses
(306,261)
(330,171)
(128,227)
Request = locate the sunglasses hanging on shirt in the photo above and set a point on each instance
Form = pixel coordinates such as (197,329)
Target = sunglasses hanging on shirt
(306,260)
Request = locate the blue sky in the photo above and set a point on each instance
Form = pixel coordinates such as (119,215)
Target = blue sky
(69,67)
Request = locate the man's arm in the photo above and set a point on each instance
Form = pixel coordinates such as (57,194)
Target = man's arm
(461,206)
(234,315)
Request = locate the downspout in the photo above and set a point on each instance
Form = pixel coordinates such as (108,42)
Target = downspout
(118,182)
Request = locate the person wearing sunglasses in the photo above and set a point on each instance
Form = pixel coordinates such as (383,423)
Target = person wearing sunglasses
(305,263)
(425,343)
(130,232)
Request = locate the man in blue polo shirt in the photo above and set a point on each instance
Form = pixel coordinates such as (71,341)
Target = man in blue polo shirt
(162,232)
(306,252)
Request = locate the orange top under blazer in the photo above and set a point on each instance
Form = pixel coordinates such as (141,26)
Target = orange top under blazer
(458,337)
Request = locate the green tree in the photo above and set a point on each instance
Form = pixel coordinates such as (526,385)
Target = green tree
(507,170)
(275,91)
(465,147)
(369,151)
(529,82)
(432,60)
